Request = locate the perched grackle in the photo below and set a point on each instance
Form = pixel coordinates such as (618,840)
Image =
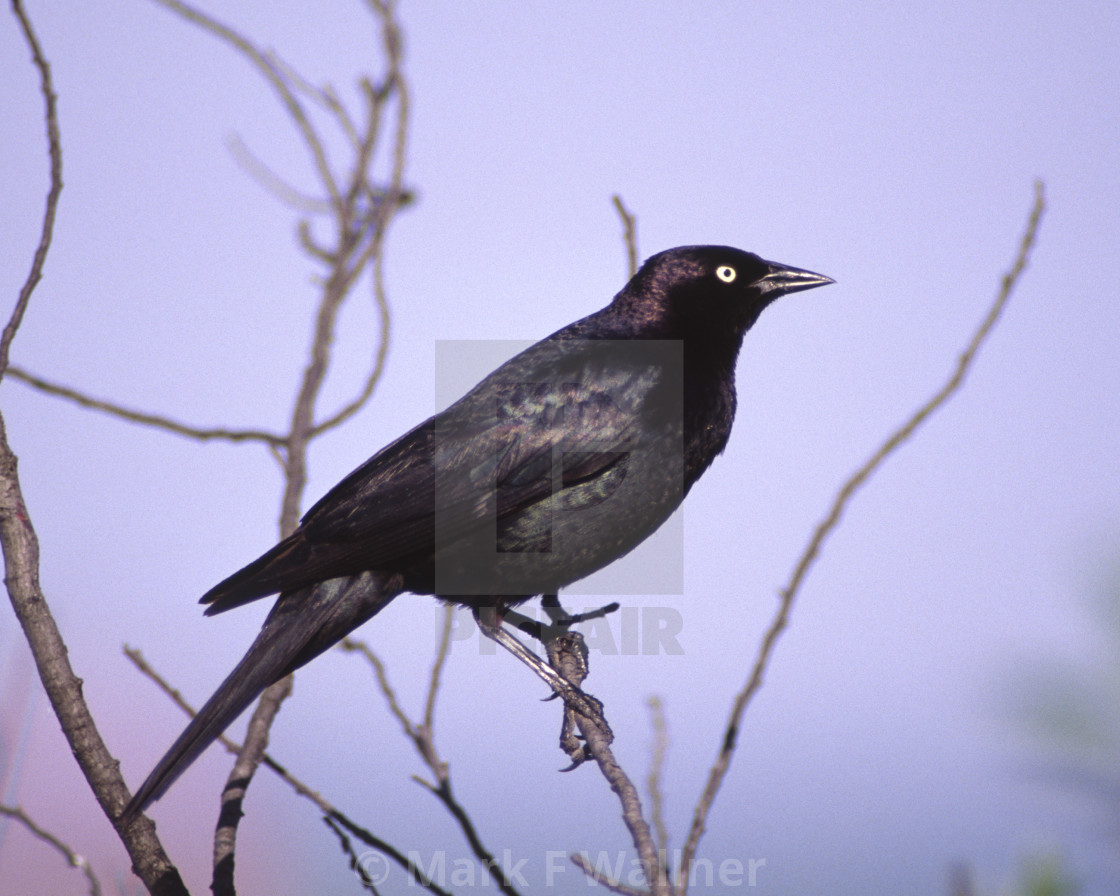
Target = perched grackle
(559,462)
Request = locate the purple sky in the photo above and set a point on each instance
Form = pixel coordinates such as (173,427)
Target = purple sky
(890,146)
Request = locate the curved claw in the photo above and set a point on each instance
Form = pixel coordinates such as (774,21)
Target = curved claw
(578,760)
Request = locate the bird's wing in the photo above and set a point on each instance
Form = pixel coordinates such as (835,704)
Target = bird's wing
(517,438)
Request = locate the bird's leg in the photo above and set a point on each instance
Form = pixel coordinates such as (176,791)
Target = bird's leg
(534,628)
(561,617)
(568,655)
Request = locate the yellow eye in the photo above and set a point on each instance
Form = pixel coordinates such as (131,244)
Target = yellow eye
(726,273)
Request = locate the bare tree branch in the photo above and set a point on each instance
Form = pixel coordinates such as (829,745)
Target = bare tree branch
(656,767)
(272,182)
(414,870)
(598,745)
(360,241)
(362,212)
(840,502)
(64,688)
(21,566)
(54,149)
(334,818)
(423,738)
(248,760)
(629,234)
(440,661)
(395,197)
(356,863)
(356,645)
(155,420)
(272,75)
(74,859)
(568,657)
(581,862)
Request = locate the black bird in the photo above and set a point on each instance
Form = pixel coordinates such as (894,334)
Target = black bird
(559,462)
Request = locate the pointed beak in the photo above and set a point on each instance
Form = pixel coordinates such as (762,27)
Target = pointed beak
(783,279)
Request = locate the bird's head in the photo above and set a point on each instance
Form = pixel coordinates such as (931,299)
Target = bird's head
(711,288)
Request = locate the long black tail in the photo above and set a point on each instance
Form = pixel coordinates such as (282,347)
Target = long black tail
(302,625)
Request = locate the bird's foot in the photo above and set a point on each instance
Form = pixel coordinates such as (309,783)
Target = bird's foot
(565,671)
(568,655)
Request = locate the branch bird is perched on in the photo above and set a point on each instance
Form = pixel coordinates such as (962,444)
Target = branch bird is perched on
(559,462)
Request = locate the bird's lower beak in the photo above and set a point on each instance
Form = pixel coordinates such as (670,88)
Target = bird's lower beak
(783,279)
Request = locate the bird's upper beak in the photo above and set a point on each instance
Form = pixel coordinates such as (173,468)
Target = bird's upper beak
(783,279)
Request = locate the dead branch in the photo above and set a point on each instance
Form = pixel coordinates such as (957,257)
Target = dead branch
(656,769)
(840,502)
(74,859)
(156,421)
(422,736)
(54,148)
(629,234)
(21,566)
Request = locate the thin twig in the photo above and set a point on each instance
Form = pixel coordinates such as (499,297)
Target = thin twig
(414,870)
(54,148)
(629,234)
(656,768)
(584,864)
(232,746)
(359,179)
(359,239)
(21,568)
(423,738)
(271,74)
(442,651)
(74,859)
(325,97)
(302,789)
(355,645)
(379,358)
(356,863)
(272,182)
(840,502)
(395,197)
(155,420)
(487,859)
